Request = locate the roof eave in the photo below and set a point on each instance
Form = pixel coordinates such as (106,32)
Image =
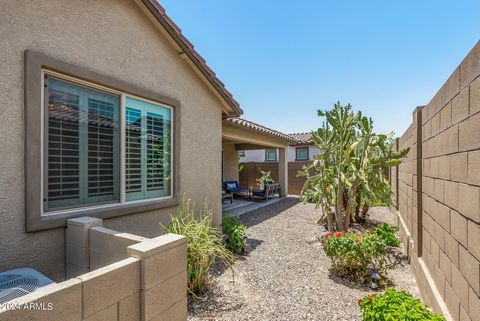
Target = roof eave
(233,108)
(283,137)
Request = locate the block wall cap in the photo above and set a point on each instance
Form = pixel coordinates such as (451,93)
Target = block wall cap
(107,269)
(156,245)
(104,230)
(85,221)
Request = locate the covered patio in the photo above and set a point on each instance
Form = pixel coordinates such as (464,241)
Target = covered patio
(239,134)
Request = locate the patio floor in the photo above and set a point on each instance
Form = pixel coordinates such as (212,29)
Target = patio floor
(241,206)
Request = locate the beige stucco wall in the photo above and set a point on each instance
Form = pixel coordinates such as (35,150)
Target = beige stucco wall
(113,38)
(258,155)
(230,162)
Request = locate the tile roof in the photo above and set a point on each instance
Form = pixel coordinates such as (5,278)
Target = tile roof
(240,122)
(176,33)
(302,138)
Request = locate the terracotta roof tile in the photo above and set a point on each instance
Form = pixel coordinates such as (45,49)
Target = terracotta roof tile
(176,33)
(302,138)
(240,122)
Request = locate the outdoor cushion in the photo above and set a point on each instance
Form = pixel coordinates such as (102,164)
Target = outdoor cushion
(231,186)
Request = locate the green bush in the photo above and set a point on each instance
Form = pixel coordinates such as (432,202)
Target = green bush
(265,178)
(395,306)
(234,232)
(204,243)
(388,234)
(355,255)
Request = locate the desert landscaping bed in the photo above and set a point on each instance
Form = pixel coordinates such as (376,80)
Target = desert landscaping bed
(285,274)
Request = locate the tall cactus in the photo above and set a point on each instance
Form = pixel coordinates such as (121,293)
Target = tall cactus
(349,165)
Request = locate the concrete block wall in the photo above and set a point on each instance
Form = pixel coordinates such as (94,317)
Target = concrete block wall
(408,184)
(109,293)
(90,246)
(446,261)
(108,246)
(149,285)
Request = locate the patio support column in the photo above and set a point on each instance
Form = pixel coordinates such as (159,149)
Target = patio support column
(283,170)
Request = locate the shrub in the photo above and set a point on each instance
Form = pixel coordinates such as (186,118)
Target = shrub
(395,305)
(204,243)
(387,234)
(355,255)
(234,232)
(265,178)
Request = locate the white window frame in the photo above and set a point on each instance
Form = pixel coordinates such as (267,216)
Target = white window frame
(123,96)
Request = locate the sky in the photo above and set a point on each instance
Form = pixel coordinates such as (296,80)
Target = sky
(283,60)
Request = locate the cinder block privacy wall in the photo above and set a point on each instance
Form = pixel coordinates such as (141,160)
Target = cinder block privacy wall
(438,194)
(112,276)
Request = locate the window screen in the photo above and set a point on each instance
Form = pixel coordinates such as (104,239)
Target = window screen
(82,146)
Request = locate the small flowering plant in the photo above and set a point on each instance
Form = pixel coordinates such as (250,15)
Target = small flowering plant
(354,254)
(388,234)
(395,305)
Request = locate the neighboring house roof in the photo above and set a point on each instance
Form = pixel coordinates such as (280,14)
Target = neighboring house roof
(240,122)
(176,33)
(302,138)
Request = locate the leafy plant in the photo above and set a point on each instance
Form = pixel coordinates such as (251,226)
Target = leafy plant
(234,232)
(204,243)
(387,234)
(240,165)
(348,171)
(265,178)
(395,305)
(354,255)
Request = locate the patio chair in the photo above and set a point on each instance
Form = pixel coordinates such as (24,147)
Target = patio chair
(267,192)
(235,188)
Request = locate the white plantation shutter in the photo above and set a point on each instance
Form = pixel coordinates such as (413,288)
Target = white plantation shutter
(102,149)
(82,145)
(147,150)
(63,134)
(155,170)
(83,152)
(133,151)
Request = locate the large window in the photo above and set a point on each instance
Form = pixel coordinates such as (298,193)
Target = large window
(86,163)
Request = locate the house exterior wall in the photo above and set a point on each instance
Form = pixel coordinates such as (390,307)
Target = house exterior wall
(254,155)
(114,38)
(439,194)
(292,154)
(230,162)
(258,155)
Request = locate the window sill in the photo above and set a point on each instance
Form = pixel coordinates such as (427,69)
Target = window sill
(50,221)
(301,160)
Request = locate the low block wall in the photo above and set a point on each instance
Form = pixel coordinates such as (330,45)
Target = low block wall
(149,284)
(438,193)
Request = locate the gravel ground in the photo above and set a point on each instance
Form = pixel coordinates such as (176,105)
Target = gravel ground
(285,274)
